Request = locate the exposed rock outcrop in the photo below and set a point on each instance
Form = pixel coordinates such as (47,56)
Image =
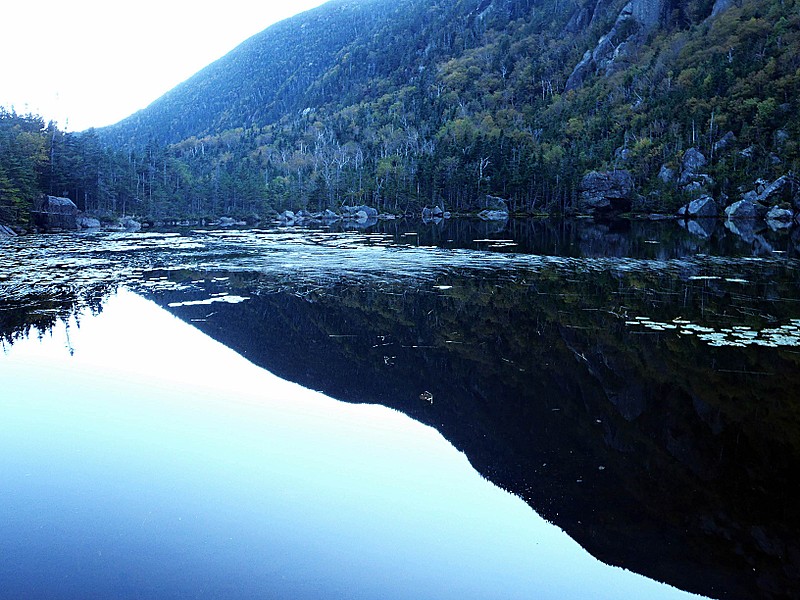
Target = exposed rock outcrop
(359,213)
(52,213)
(720,6)
(743,209)
(609,55)
(494,209)
(784,189)
(704,207)
(779,218)
(724,142)
(606,191)
(85,222)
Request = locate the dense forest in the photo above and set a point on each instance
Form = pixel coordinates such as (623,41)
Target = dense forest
(405,103)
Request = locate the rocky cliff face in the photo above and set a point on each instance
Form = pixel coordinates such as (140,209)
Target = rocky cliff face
(634,22)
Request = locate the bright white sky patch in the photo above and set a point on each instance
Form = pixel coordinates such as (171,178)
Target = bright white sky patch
(95,62)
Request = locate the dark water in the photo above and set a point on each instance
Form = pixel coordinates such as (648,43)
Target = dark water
(634,389)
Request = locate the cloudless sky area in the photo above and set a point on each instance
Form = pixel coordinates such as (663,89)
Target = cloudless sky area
(90,63)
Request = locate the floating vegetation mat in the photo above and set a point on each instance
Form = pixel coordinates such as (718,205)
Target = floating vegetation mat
(737,336)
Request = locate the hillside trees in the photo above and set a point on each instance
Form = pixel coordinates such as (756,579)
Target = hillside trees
(408,103)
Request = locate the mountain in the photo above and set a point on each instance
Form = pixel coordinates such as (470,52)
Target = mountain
(405,103)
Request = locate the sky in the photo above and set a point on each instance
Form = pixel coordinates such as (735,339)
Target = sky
(90,63)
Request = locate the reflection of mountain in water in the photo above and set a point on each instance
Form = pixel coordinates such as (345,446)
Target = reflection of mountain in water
(654,450)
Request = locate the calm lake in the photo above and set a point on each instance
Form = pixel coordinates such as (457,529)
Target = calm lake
(465,410)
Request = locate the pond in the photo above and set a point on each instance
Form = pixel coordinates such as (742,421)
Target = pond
(570,410)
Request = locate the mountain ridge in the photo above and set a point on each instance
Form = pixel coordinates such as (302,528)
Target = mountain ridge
(412,103)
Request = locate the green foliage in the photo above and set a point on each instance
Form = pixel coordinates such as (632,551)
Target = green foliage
(23,164)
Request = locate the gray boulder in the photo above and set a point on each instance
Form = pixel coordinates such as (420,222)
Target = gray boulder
(692,162)
(7,231)
(493,215)
(725,141)
(85,222)
(694,182)
(494,203)
(432,213)
(129,224)
(287,216)
(351,212)
(783,189)
(779,218)
(666,174)
(743,209)
(53,212)
(606,191)
(703,207)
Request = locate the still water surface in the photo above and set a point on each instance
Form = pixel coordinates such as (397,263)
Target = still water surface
(141,459)
(502,410)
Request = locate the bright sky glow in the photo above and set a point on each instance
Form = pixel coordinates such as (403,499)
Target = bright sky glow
(90,63)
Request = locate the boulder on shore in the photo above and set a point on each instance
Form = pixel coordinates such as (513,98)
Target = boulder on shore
(129,224)
(606,191)
(784,189)
(493,215)
(7,231)
(286,216)
(666,174)
(703,207)
(743,209)
(85,222)
(779,218)
(54,213)
(352,212)
(429,214)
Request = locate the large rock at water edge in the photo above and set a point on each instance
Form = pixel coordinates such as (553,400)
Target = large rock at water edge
(743,209)
(779,218)
(85,222)
(784,189)
(353,212)
(53,213)
(606,191)
(703,207)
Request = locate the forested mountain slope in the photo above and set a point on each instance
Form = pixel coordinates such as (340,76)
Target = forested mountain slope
(403,103)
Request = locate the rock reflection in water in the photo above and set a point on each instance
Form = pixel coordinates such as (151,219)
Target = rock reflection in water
(559,373)
(655,451)
(156,463)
